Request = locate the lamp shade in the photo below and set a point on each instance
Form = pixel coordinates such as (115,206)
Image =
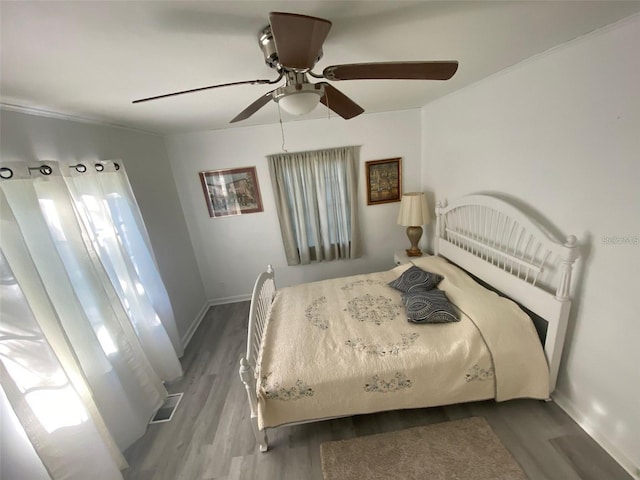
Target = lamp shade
(414,210)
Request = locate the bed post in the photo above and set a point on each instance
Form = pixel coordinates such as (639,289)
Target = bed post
(246,374)
(264,291)
(569,255)
(555,335)
(440,206)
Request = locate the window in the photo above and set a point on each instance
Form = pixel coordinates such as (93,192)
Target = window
(316,199)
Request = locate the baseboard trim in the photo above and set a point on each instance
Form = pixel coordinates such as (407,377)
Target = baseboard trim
(195,324)
(186,338)
(234,299)
(583,420)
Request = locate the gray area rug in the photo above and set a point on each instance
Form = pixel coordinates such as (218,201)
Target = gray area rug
(462,450)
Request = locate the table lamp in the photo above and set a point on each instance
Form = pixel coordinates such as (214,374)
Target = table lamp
(414,212)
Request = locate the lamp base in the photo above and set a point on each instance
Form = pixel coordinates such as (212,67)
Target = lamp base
(414,234)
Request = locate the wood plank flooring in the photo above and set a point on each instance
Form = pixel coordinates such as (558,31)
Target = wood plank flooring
(210,436)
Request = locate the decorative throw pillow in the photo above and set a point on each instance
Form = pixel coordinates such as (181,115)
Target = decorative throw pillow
(430,306)
(415,279)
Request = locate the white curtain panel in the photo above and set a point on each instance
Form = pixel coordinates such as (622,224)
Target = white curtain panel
(55,413)
(316,199)
(109,211)
(82,363)
(41,374)
(18,458)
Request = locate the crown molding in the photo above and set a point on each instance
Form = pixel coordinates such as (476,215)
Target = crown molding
(41,112)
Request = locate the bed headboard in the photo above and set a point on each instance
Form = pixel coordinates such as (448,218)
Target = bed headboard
(500,245)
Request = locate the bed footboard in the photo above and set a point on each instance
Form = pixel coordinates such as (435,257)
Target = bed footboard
(264,291)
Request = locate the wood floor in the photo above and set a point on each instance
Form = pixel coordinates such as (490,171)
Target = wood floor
(210,437)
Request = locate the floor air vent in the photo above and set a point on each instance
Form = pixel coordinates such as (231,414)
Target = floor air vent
(165,412)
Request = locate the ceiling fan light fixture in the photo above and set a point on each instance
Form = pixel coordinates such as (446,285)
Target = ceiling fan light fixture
(299,99)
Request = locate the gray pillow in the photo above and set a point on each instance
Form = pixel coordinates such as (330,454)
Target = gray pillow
(430,306)
(415,279)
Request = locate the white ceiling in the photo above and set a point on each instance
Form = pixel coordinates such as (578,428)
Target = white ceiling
(90,59)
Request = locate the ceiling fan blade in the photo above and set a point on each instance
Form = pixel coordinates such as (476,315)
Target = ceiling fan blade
(247,82)
(337,101)
(298,38)
(253,108)
(392,71)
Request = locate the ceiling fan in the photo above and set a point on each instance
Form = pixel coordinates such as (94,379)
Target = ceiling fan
(292,45)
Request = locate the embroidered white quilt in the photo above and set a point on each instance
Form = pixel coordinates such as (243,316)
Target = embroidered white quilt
(344,347)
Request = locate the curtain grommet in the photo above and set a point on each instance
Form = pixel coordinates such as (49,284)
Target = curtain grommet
(43,169)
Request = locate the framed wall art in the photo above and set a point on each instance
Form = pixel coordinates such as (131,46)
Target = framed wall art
(231,192)
(384,181)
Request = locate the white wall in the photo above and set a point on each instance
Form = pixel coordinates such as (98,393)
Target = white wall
(561,133)
(232,251)
(29,138)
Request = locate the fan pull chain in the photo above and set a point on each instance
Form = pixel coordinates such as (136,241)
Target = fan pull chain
(284,149)
(328,109)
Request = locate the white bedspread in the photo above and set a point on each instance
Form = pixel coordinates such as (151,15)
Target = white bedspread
(344,347)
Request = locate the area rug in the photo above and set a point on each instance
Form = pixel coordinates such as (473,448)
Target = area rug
(462,450)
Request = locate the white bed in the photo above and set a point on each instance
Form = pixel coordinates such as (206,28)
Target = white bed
(342,347)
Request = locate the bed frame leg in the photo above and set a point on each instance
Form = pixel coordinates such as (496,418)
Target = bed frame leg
(261,435)
(246,375)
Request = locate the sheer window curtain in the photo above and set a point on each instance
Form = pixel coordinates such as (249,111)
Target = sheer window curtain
(73,364)
(54,409)
(105,202)
(316,199)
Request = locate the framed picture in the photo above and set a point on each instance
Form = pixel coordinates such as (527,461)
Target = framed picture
(384,181)
(231,192)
